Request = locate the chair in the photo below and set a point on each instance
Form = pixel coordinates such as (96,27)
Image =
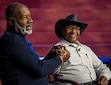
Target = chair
(52,79)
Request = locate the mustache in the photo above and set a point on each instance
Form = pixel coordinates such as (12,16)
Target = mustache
(76,34)
(29,24)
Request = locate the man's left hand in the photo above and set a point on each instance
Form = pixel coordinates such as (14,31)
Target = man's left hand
(102,80)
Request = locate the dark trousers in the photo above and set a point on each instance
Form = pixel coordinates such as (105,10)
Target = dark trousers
(89,83)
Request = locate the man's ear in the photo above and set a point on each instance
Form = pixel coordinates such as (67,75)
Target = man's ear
(11,21)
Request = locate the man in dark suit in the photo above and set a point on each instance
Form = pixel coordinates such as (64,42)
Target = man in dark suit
(19,63)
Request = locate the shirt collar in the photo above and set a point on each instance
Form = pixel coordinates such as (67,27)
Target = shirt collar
(66,43)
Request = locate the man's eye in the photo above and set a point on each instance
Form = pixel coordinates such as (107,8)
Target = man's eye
(69,27)
(24,17)
(78,28)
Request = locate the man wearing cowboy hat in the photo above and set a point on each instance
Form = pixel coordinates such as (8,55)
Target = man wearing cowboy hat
(83,63)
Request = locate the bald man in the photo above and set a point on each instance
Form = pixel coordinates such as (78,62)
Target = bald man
(19,63)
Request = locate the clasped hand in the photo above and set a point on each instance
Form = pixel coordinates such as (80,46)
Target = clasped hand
(60,51)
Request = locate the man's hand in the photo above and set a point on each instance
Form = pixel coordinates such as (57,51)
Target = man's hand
(64,54)
(54,51)
(58,51)
(102,80)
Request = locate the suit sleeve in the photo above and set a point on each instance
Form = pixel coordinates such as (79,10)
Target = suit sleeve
(26,60)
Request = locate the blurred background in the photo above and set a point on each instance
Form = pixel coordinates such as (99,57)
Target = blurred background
(45,13)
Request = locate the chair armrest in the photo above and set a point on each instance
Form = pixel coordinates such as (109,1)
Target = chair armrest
(53,79)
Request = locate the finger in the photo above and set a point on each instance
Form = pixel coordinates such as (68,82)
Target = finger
(56,47)
(60,46)
(63,48)
(102,81)
(58,51)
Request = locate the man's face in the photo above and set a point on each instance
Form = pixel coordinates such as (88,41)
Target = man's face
(71,33)
(23,21)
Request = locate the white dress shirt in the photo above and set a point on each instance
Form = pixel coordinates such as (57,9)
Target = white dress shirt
(82,65)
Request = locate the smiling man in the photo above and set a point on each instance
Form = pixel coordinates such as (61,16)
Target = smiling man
(83,63)
(19,63)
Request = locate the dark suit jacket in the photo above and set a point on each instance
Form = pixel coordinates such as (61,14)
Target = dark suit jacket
(19,66)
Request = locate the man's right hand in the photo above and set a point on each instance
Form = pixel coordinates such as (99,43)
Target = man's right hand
(65,54)
(62,52)
(58,51)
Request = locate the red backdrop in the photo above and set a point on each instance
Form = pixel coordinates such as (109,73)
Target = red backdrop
(45,13)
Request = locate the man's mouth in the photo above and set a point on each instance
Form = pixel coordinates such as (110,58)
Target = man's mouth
(28,27)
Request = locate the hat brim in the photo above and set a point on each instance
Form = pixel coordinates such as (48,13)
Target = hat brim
(62,22)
